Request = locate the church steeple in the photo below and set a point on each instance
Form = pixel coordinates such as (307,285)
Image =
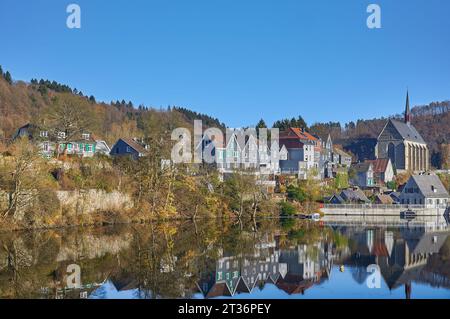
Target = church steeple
(407,109)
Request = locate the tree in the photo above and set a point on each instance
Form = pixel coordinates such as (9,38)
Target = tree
(261,124)
(67,119)
(287,209)
(239,189)
(8,77)
(24,177)
(341,180)
(293,122)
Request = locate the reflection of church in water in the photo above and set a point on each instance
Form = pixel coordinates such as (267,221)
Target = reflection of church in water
(402,255)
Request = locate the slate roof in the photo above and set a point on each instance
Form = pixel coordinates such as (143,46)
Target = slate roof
(341,152)
(354,195)
(407,132)
(362,167)
(384,199)
(430,186)
(135,145)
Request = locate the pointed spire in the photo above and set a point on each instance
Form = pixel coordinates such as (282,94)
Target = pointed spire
(407,109)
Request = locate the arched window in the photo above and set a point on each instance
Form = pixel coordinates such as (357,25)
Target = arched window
(391,152)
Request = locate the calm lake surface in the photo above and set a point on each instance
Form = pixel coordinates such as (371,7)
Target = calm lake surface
(215,259)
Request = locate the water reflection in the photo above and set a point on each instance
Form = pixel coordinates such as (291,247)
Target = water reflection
(270,259)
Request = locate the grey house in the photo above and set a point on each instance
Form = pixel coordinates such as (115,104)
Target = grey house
(425,190)
(363,175)
(129,147)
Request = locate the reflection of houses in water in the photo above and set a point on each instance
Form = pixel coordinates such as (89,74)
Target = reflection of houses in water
(241,274)
(293,270)
(402,256)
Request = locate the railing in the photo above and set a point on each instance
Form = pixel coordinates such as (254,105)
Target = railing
(382,206)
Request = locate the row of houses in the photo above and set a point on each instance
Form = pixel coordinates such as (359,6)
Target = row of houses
(297,152)
(425,189)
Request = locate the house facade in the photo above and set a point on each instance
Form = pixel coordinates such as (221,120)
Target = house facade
(383,170)
(241,152)
(129,147)
(303,153)
(403,145)
(83,144)
(426,190)
(341,158)
(363,175)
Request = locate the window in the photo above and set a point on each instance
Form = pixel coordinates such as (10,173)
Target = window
(62,135)
(86,136)
(46,147)
(44,134)
(128,149)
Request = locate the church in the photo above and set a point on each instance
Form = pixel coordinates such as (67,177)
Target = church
(401,142)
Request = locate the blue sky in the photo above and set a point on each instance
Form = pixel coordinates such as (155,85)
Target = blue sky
(237,60)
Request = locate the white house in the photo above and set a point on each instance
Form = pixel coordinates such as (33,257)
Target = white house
(425,190)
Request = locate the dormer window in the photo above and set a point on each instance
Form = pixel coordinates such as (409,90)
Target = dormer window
(86,136)
(44,134)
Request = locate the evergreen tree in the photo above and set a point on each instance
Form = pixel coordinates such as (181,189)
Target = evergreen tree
(261,124)
(8,77)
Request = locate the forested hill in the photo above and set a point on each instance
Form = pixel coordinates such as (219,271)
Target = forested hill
(21,103)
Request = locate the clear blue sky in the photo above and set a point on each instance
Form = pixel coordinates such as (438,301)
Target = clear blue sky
(238,60)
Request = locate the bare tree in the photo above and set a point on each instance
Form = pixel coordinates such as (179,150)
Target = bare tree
(23,177)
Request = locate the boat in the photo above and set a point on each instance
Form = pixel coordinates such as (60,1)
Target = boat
(314,217)
(408,214)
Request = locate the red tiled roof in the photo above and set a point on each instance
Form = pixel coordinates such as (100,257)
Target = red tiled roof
(303,134)
(219,289)
(379,165)
(379,249)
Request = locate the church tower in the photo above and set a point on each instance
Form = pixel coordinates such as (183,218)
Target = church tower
(407,110)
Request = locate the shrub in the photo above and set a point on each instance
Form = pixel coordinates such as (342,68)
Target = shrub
(287,209)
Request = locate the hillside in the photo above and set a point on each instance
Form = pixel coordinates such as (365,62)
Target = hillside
(22,102)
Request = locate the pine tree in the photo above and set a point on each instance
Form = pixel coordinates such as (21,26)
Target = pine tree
(261,124)
(8,77)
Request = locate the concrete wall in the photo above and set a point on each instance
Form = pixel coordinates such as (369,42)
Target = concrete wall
(380,210)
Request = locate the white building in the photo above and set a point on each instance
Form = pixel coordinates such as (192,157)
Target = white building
(425,190)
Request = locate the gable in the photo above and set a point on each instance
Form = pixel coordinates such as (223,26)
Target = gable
(390,133)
